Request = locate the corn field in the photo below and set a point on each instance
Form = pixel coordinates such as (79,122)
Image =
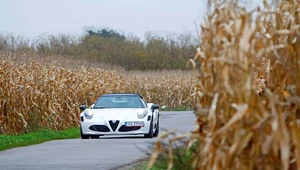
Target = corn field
(248,104)
(35,95)
(170,88)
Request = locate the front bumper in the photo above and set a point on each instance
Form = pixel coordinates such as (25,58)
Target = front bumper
(112,127)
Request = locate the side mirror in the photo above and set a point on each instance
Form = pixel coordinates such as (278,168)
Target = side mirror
(155,106)
(82,107)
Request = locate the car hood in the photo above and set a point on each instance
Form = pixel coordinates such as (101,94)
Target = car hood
(116,113)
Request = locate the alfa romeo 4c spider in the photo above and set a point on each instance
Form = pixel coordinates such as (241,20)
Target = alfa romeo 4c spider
(119,114)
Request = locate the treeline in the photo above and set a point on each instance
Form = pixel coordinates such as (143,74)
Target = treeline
(108,46)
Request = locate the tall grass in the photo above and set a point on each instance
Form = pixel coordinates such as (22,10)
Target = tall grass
(248,89)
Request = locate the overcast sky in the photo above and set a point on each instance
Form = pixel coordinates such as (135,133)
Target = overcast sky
(31,18)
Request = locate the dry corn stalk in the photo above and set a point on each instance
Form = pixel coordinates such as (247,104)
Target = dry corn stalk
(248,89)
(34,96)
(250,125)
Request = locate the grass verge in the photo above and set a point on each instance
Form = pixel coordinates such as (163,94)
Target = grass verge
(12,141)
(181,159)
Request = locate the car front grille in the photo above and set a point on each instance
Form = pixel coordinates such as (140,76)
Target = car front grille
(99,128)
(114,124)
(127,129)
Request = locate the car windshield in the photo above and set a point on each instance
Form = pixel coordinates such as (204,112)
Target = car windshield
(118,101)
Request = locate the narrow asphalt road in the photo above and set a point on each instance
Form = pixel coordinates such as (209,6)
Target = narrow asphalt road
(106,153)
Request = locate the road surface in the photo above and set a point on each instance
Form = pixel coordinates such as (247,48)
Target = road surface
(106,153)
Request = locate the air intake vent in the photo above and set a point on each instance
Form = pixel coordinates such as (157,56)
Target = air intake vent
(114,124)
(99,128)
(127,129)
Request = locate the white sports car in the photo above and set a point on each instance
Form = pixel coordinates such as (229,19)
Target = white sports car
(119,114)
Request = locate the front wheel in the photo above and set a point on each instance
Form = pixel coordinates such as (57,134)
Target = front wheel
(150,134)
(82,135)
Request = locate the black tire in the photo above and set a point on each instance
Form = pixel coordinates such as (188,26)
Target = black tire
(150,134)
(82,135)
(155,134)
(95,136)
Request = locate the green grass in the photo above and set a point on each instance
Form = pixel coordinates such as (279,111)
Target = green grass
(140,165)
(12,141)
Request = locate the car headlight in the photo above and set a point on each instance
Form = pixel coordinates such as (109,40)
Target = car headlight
(88,114)
(142,113)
